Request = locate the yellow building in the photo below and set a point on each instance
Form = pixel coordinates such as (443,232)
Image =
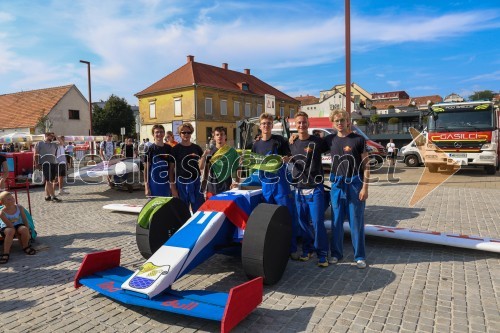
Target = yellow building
(208,96)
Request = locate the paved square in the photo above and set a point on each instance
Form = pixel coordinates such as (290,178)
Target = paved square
(407,287)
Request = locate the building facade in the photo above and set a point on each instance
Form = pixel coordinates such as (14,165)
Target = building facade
(64,110)
(208,96)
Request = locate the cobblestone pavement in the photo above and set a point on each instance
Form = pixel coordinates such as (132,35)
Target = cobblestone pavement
(407,287)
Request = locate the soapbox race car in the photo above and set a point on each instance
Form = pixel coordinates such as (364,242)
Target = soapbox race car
(174,242)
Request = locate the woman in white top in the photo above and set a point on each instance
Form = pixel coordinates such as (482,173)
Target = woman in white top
(61,167)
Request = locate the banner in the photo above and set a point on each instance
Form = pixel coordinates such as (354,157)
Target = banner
(224,162)
(270,102)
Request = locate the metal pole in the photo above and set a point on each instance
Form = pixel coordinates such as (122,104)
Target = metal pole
(348,55)
(90,94)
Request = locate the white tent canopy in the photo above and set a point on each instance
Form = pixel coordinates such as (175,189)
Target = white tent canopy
(20,137)
(27,137)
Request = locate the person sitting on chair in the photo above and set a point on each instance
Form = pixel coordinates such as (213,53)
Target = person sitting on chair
(13,221)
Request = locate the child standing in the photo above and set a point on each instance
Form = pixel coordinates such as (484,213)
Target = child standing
(13,220)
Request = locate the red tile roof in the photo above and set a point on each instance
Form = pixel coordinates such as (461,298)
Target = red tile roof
(23,109)
(388,94)
(422,100)
(382,105)
(215,77)
(306,100)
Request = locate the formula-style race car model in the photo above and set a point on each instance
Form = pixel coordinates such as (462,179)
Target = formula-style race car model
(174,242)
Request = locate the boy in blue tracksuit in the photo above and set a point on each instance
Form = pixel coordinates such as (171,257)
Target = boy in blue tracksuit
(307,175)
(275,186)
(185,172)
(349,177)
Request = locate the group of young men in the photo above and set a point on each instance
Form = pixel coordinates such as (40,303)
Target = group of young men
(348,193)
(175,171)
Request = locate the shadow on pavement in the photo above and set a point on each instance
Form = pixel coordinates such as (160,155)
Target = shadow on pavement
(13,305)
(56,250)
(388,215)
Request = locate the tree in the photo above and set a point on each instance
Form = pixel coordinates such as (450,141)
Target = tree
(115,114)
(374,118)
(44,124)
(481,95)
(393,121)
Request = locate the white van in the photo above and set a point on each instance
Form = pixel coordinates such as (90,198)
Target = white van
(410,153)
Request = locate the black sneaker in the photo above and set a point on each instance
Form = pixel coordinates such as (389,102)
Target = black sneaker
(56,199)
(48,198)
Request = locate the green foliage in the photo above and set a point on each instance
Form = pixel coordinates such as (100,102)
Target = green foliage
(115,114)
(42,122)
(374,118)
(361,121)
(482,95)
(393,121)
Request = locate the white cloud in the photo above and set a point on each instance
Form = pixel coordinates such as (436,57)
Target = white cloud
(493,76)
(408,28)
(6,17)
(424,88)
(131,44)
(394,84)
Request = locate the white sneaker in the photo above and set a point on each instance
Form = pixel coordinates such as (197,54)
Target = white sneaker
(361,264)
(63,192)
(333,260)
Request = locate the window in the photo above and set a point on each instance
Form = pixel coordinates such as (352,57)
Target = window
(208,105)
(74,114)
(259,109)
(292,111)
(282,111)
(152,109)
(247,110)
(223,107)
(208,133)
(177,107)
(236,108)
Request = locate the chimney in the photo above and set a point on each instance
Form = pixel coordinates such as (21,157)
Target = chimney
(247,71)
(224,65)
(190,58)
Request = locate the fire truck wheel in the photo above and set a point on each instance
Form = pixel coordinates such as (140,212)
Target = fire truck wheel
(266,244)
(490,169)
(163,224)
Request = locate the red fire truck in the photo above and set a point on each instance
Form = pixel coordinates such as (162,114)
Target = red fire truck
(465,133)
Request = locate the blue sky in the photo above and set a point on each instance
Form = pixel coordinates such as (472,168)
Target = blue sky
(422,47)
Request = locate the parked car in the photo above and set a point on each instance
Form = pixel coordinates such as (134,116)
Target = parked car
(376,151)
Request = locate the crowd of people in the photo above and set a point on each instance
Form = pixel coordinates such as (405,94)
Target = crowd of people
(175,170)
(185,170)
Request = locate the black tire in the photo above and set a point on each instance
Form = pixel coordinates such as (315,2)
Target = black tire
(379,159)
(266,244)
(163,225)
(412,160)
(433,168)
(490,169)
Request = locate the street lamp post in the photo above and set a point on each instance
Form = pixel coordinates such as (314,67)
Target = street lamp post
(90,94)
(348,55)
